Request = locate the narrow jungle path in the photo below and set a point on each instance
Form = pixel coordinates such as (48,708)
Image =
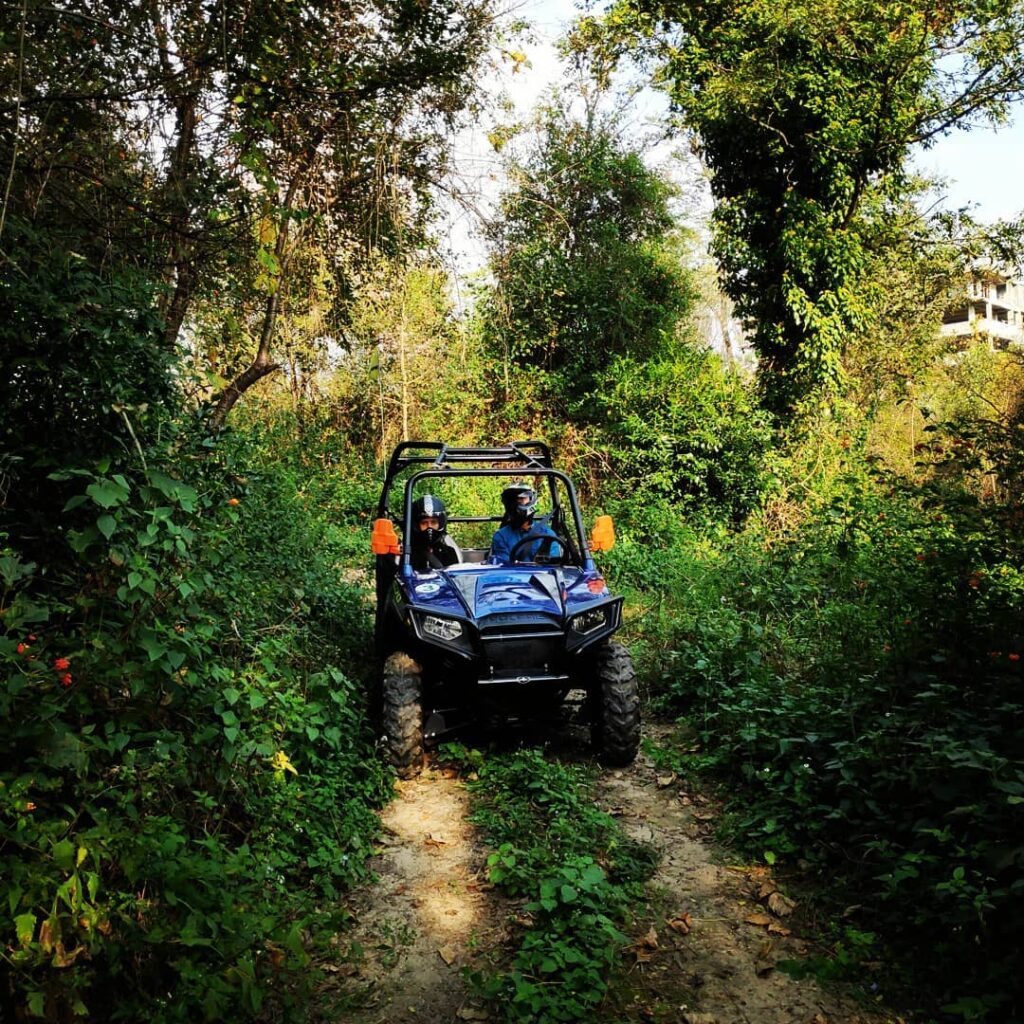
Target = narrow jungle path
(711,934)
(704,944)
(430,914)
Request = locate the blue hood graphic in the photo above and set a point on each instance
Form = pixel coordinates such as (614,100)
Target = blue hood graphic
(480,592)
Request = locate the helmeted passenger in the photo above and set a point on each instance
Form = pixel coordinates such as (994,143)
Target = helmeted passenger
(430,546)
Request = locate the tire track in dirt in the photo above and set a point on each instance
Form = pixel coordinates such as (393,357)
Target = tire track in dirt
(430,914)
(715,964)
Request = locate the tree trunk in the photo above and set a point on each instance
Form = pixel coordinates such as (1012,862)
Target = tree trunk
(261,366)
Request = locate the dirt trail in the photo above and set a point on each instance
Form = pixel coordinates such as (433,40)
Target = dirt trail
(719,928)
(430,914)
(704,948)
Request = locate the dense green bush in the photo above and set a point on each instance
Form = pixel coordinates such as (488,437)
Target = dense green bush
(682,428)
(857,675)
(188,780)
(82,372)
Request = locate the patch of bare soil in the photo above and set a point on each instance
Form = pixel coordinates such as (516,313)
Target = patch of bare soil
(707,949)
(430,914)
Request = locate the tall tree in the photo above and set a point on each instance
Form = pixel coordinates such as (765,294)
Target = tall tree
(582,253)
(801,110)
(206,143)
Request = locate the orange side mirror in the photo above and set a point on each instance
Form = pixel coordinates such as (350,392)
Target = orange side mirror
(384,540)
(602,538)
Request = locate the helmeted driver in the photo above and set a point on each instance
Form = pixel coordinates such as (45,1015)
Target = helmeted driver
(430,546)
(517,524)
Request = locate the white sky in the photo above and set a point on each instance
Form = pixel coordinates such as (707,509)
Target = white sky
(983,168)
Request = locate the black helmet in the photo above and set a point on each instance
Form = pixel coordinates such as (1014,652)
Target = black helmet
(428,507)
(517,510)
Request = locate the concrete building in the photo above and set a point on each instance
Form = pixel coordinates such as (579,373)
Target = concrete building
(992,310)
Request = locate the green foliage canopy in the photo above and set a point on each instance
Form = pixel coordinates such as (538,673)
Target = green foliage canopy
(583,254)
(801,110)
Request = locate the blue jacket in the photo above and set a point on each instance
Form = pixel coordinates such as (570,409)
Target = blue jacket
(506,538)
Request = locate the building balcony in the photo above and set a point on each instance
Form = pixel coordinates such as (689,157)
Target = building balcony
(983,326)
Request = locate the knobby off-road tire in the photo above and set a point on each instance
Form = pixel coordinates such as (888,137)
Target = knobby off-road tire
(615,706)
(402,713)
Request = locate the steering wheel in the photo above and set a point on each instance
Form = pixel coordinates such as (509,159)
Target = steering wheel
(544,545)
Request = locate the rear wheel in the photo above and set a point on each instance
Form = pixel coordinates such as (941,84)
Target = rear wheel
(615,706)
(402,713)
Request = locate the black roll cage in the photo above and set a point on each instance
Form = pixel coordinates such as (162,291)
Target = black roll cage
(533,458)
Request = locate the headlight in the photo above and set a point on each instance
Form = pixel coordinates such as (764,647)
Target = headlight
(587,622)
(442,629)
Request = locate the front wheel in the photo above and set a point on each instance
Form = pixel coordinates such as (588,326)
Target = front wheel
(402,713)
(615,706)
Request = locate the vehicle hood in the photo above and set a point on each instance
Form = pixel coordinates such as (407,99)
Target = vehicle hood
(481,592)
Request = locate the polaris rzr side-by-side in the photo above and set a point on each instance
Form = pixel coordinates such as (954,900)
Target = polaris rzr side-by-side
(503,625)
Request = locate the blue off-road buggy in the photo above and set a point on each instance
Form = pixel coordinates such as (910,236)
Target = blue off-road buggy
(481,640)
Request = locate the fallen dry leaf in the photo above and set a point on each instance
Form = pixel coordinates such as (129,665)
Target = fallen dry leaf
(345,970)
(761,920)
(644,949)
(471,1013)
(766,888)
(780,905)
(664,781)
(681,923)
(447,954)
(431,841)
(778,929)
(703,816)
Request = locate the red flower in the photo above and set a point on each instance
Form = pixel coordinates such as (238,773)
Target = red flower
(62,664)
(1014,657)
(32,637)
(21,648)
(65,680)
(30,806)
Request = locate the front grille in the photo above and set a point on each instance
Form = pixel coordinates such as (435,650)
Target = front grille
(532,655)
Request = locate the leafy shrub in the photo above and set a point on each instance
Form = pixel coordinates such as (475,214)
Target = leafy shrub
(683,429)
(856,677)
(189,777)
(578,879)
